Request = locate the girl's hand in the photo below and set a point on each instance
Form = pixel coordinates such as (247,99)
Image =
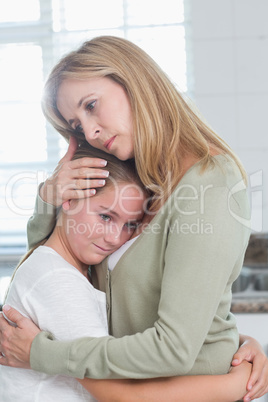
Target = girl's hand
(16,341)
(70,179)
(251,351)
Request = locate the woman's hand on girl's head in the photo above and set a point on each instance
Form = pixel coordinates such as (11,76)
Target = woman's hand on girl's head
(16,341)
(70,179)
(251,351)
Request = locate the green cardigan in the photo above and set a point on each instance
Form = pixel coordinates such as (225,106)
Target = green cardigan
(169,296)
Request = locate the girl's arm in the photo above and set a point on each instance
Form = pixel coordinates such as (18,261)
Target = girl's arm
(204,388)
(251,350)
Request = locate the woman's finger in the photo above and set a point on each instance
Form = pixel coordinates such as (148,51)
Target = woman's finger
(16,340)
(79,189)
(3,326)
(56,190)
(86,162)
(88,173)
(83,184)
(11,315)
(77,194)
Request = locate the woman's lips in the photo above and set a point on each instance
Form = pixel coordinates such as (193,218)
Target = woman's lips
(109,143)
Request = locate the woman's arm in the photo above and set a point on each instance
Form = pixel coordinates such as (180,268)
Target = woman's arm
(41,223)
(15,343)
(204,388)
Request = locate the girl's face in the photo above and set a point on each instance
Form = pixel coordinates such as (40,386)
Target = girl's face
(95,227)
(100,109)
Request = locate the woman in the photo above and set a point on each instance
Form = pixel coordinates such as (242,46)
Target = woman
(173,285)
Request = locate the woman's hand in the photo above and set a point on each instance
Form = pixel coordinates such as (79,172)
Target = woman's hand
(251,351)
(70,179)
(16,341)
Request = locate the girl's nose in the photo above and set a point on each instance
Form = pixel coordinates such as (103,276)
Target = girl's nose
(113,236)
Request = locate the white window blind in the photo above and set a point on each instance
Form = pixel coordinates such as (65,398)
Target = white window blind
(34,34)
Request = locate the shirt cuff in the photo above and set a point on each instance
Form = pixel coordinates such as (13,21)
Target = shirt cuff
(43,207)
(48,355)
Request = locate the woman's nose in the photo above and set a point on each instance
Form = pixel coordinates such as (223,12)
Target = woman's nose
(92,135)
(91,131)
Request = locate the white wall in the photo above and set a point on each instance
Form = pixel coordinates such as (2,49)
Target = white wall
(230,65)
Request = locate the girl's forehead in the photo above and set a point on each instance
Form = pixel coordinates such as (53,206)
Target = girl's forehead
(120,192)
(122,198)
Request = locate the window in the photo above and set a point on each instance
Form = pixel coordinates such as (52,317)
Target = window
(33,36)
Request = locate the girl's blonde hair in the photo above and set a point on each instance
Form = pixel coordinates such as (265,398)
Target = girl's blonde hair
(119,172)
(165,126)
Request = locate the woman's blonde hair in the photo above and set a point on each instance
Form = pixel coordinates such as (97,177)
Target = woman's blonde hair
(165,126)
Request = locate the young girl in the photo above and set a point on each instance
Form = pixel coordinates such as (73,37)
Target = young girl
(169,294)
(53,285)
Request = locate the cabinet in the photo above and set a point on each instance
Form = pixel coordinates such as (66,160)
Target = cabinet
(255,325)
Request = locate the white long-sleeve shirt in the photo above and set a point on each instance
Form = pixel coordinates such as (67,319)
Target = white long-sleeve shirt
(59,299)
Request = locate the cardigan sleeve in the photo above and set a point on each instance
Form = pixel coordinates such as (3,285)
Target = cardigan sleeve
(190,298)
(42,222)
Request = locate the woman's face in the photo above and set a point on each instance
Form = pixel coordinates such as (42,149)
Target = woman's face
(95,227)
(100,109)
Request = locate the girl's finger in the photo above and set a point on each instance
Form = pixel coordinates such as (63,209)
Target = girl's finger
(257,375)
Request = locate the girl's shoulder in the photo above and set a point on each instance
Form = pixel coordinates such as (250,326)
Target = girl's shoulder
(43,262)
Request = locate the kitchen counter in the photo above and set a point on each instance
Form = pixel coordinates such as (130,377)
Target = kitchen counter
(249,304)
(250,291)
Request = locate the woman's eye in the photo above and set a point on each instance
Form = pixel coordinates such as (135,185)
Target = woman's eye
(79,128)
(105,218)
(91,105)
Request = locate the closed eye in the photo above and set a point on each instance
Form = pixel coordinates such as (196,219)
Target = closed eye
(90,105)
(105,218)
(79,128)
(132,225)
